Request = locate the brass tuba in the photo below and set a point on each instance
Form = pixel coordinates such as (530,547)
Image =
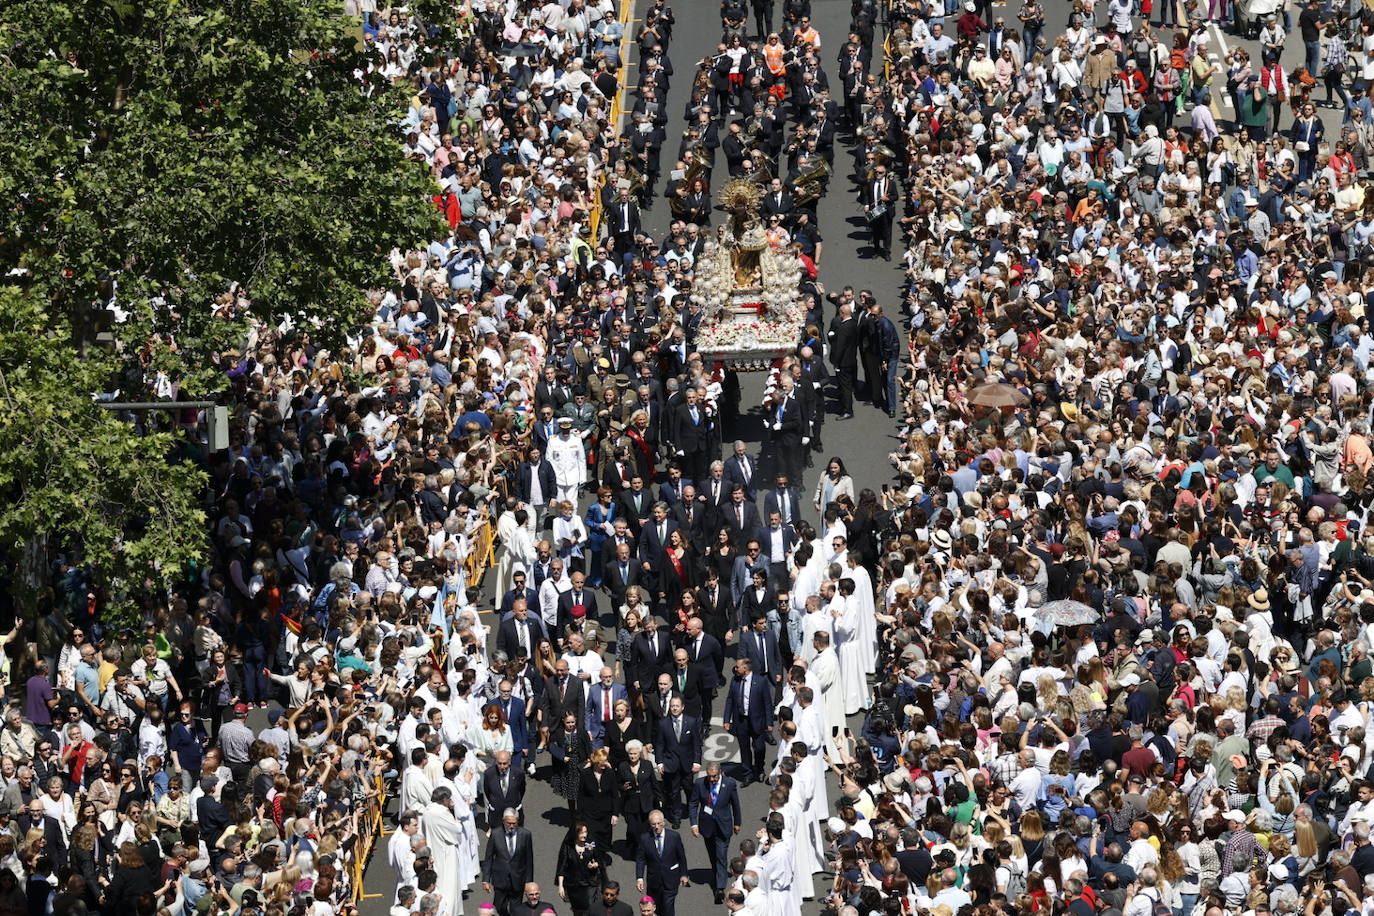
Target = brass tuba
(810,183)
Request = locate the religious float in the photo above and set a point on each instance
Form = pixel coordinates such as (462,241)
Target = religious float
(746,288)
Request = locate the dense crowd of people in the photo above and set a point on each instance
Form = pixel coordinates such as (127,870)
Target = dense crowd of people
(1103,647)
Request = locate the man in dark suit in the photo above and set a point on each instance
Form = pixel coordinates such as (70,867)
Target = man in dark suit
(658,698)
(653,539)
(624,219)
(692,434)
(760,647)
(563,693)
(783,499)
(749,717)
(740,514)
(622,572)
(670,491)
(503,784)
(716,817)
(715,607)
(635,504)
(844,356)
(521,631)
(880,207)
(516,711)
(577,605)
(661,865)
(778,201)
(650,655)
(743,470)
(33,816)
(714,490)
(509,862)
(619,470)
(787,429)
(687,682)
(520,588)
(679,755)
(690,516)
(707,657)
(601,699)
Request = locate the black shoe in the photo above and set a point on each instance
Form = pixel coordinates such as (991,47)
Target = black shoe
(720,897)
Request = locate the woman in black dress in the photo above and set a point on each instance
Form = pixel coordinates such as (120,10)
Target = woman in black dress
(721,555)
(639,794)
(623,729)
(598,798)
(581,868)
(570,746)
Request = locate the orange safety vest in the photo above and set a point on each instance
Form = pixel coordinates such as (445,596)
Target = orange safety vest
(808,36)
(772,56)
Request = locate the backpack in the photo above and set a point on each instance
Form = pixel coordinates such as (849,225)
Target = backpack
(1016,882)
(1158,907)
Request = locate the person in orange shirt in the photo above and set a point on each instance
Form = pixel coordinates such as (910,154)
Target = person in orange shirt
(1356,452)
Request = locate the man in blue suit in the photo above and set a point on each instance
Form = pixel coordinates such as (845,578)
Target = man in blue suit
(715,815)
(661,864)
(513,708)
(749,717)
(741,469)
(671,490)
(521,589)
(760,647)
(679,755)
(601,700)
(783,499)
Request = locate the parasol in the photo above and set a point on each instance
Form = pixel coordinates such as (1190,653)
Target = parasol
(1066,613)
(997,394)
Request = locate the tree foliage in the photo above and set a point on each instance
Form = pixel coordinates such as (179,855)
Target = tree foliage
(74,471)
(158,154)
(177,147)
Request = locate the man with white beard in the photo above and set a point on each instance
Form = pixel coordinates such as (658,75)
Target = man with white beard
(863,595)
(553,588)
(444,835)
(826,667)
(569,459)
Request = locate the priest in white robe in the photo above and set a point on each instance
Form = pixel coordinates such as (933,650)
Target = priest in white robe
(868,612)
(826,667)
(849,644)
(815,621)
(416,785)
(782,870)
(445,835)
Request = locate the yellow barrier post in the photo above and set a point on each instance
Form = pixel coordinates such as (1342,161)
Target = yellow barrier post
(627,9)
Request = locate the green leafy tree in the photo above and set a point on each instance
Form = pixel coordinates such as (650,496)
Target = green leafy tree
(157,156)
